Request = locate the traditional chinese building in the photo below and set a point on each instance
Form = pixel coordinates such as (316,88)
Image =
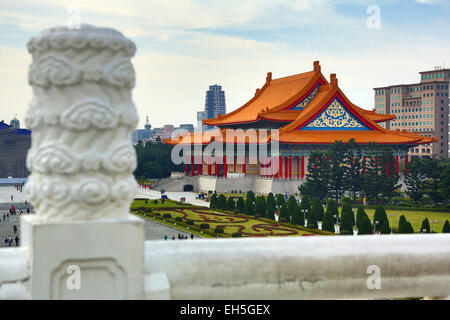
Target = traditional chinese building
(310,113)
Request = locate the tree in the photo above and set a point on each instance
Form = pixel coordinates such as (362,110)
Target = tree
(284,213)
(446,228)
(312,222)
(292,203)
(371,181)
(328,222)
(222,202)
(444,183)
(214,201)
(337,169)
(279,199)
(347,219)
(425,226)
(298,216)
(251,196)
(405,227)
(316,184)
(305,204)
(240,205)
(333,210)
(347,209)
(261,206)
(401,221)
(154,160)
(379,217)
(364,226)
(231,204)
(317,209)
(389,174)
(270,212)
(250,206)
(384,227)
(271,200)
(432,183)
(414,181)
(352,161)
(360,214)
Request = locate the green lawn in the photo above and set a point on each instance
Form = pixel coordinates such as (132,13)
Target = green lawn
(415,217)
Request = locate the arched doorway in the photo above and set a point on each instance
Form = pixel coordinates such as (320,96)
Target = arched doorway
(188,187)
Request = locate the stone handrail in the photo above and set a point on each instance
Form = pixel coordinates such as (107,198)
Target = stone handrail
(326,267)
(14,273)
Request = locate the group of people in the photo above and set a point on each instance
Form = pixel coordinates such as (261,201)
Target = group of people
(180,237)
(9,241)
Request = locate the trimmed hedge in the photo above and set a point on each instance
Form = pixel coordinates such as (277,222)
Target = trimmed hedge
(440,209)
(167,215)
(236,235)
(179,219)
(204,226)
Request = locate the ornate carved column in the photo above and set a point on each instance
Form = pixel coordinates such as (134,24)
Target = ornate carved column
(81,163)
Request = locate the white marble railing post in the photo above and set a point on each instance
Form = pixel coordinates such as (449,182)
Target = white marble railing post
(81,163)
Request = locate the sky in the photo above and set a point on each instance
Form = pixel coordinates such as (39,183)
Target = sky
(184,46)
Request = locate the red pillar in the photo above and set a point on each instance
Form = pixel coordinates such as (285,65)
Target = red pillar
(199,165)
(185,165)
(271,167)
(217,167)
(303,167)
(396,163)
(281,167)
(364,164)
(235,160)
(225,167)
(406,165)
(209,166)
(243,167)
(286,168)
(290,167)
(298,168)
(192,165)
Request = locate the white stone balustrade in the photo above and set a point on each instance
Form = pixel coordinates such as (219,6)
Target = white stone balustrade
(82,184)
(328,267)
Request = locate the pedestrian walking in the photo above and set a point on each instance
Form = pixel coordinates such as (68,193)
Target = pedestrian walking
(6,241)
(179,236)
(10,241)
(173,237)
(17,241)
(15,228)
(192,236)
(165,237)
(28,210)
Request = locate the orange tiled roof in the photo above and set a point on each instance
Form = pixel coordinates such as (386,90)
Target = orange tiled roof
(274,93)
(278,100)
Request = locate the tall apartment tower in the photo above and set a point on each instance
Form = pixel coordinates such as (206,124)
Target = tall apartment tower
(215,102)
(420,107)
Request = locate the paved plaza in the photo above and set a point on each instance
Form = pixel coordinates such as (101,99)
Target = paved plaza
(153,230)
(190,196)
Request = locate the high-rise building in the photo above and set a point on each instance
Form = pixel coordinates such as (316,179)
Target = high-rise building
(201,115)
(215,102)
(419,107)
(143,135)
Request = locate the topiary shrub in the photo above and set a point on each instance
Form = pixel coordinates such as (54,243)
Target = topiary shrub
(204,226)
(190,222)
(236,235)
(179,219)
(167,215)
(218,230)
(157,214)
(148,210)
